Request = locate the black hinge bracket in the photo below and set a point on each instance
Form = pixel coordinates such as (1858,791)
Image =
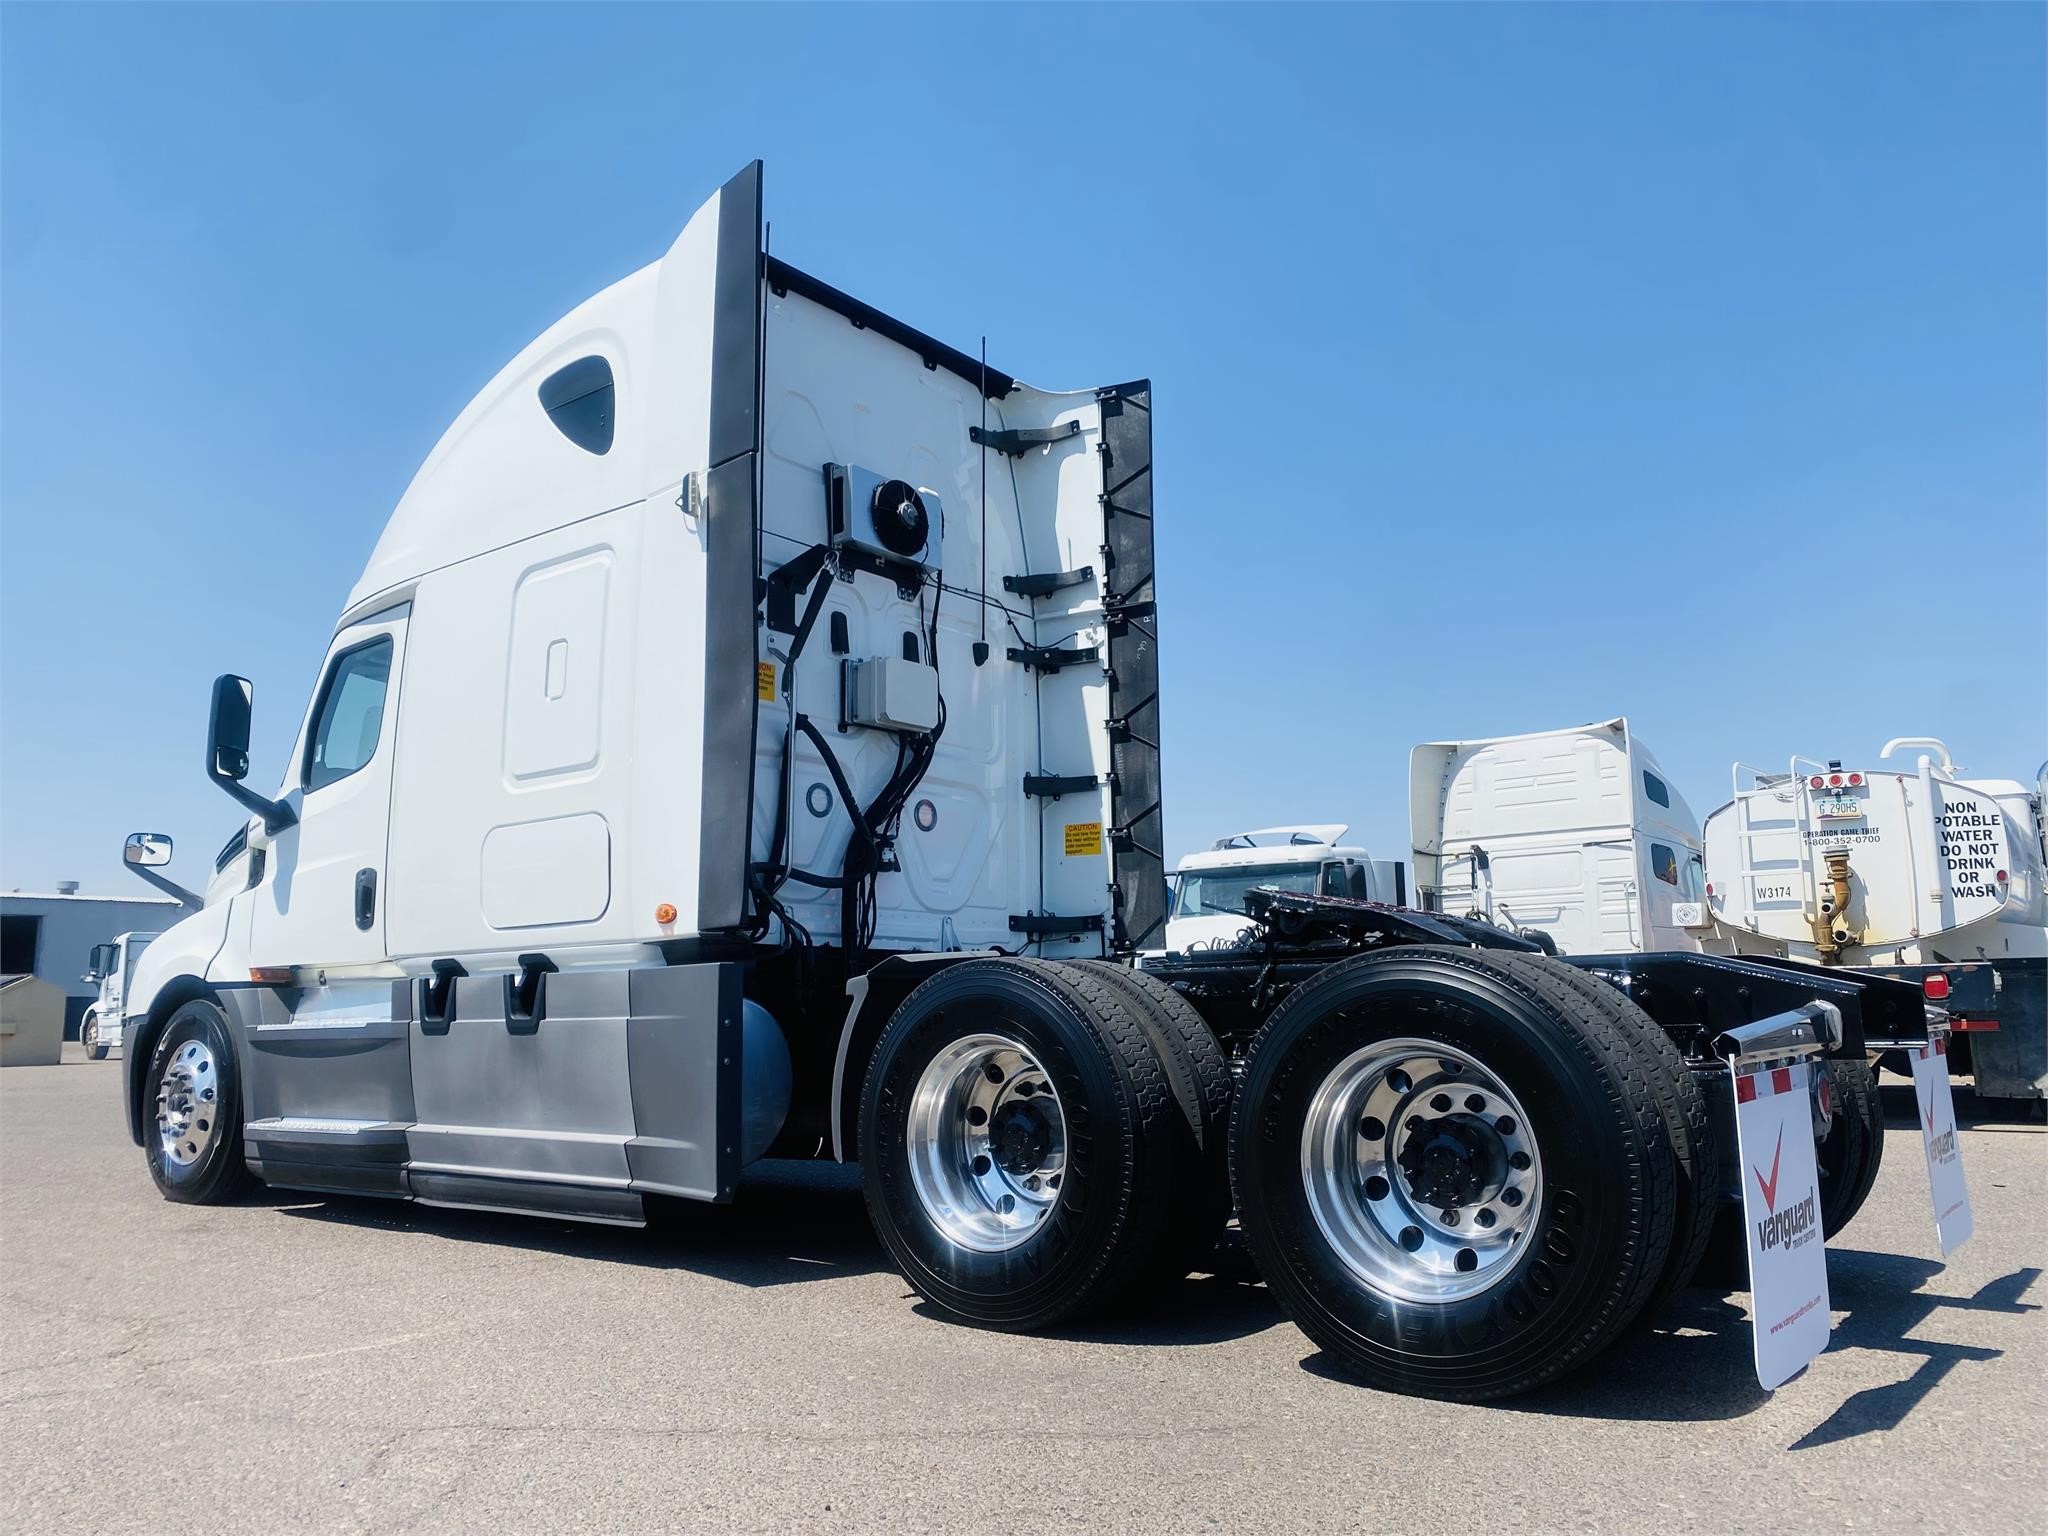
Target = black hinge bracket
(1050,786)
(1050,658)
(1017,441)
(1045,926)
(1048,582)
(785,582)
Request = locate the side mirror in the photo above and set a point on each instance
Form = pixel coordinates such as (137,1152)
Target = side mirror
(227,750)
(101,963)
(149,850)
(145,853)
(227,733)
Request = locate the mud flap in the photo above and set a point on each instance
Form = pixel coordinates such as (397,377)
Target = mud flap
(1788,1268)
(1935,1108)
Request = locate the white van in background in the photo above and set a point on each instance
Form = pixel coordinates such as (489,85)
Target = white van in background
(1576,835)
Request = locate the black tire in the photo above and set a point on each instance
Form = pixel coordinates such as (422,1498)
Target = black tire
(1854,1149)
(1106,1230)
(1602,1228)
(1199,1074)
(1687,1122)
(89,1037)
(215,1171)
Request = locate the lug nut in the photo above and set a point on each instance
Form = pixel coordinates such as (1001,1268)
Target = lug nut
(1511,1197)
(1486,1218)
(1505,1125)
(1411,1238)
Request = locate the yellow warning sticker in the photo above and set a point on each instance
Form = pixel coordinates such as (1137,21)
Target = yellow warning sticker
(764,681)
(1083,838)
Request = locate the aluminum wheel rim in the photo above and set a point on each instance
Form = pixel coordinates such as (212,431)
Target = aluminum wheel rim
(987,1139)
(187,1103)
(1422,1170)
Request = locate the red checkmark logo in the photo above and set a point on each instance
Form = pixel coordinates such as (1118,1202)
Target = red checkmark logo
(1770,1186)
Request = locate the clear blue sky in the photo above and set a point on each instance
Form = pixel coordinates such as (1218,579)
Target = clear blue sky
(1515,366)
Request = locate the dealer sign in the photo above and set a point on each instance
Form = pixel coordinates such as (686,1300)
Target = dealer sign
(1936,1102)
(1788,1267)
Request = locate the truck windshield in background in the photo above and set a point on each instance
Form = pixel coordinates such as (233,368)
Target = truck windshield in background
(1204,892)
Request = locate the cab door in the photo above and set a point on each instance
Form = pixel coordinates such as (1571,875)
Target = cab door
(322,900)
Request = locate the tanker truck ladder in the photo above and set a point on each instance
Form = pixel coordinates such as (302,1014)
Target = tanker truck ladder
(1761,873)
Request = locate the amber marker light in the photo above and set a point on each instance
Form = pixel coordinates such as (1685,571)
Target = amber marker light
(665,913)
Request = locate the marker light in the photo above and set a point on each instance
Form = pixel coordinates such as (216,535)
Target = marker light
(665,913)
(1834,781)
(1855,779)
(2001,877)
(1935,985)
(1817,781)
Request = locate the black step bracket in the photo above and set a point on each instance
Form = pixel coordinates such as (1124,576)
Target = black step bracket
(437,997)
(1018,441)
(1045,583)
(1043,925)
(1051,658)
(1050,786)
(525,999)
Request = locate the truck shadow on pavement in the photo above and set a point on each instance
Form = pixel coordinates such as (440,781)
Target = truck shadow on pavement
(797,1222)
(1692,1364)
(792,1222)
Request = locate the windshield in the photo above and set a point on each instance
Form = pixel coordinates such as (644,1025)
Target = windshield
(1204,892)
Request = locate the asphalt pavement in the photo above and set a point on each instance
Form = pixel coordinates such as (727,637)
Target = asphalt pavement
(301,1363)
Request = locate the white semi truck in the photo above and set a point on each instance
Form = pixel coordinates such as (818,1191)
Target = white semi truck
(742,743)
(1211,888)
(111,968)
(1576,835)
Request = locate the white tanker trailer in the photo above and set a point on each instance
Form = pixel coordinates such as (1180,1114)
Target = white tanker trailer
(744,742)
(1917,873)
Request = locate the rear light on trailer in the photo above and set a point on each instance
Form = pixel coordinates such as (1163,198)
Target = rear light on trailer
(1935,986)
(1855,779)
(1817,782)
(2002,877)
(1834,781)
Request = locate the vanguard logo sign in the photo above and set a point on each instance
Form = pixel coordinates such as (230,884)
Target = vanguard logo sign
(1797,1223)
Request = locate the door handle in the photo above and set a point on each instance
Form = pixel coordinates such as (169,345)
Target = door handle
(366,897)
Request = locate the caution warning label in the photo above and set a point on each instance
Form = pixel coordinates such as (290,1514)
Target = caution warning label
(1083,839)
(764,681)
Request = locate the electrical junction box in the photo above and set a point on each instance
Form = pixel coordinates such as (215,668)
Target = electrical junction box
(892,520)
(891,694)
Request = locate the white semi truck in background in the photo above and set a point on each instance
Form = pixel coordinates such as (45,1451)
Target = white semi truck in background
(744,742)
(1579,837)
(1210,888)
(112,968)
